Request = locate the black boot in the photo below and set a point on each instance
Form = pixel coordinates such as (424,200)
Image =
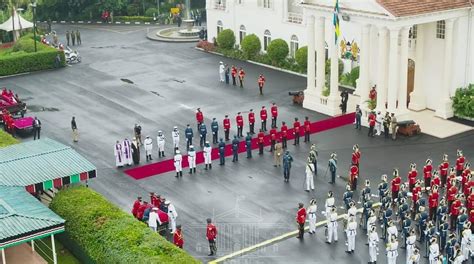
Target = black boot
(206,167)
(177,174)
(210,166)
(190,171)
(162,153)
(194,170)
(159,154)
(150,158)
(181,173)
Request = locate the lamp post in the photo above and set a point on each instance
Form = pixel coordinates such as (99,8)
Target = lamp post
(33,5)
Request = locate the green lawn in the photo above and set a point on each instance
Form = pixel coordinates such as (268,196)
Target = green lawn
(6,139)
(63,255)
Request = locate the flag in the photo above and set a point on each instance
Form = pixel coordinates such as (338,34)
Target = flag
(335,21)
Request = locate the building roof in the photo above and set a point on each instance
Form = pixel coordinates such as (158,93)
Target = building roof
(401,8)
(24,218)
(40,161)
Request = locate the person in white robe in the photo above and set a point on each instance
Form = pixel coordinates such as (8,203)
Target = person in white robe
(222,71)
(127,151)
(118,152)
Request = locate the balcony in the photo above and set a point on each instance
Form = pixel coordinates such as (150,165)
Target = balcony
(296,18)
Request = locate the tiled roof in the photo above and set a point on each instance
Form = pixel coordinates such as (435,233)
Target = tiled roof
(401,8)
(23,215)
(39,161)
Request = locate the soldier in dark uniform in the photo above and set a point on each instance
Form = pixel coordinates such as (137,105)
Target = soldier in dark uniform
(443,230)
(383,187)
(387,216)
(222,152)
(384,204)
(450,247)
(203,134)
(430,233)
(403,210)
(235,149)
(347,196)
(333,167)
(188,133)
(406,226)
(248,145)
(365,194)
(441,212)
(367,208)
(287,160)
(78,37)
(421,218)
(73,37)
(68,36)
(313,156)
(215,130)
(461,220)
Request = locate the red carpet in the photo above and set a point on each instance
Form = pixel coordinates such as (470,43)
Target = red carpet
(168,165)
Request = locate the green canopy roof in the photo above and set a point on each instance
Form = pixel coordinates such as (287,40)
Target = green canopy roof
(24,218)
(40,161)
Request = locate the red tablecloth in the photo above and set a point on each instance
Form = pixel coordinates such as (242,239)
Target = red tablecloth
(23,123)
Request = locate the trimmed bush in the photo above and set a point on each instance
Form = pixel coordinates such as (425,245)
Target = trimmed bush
(463,102)
(133,19)
(226,39)
(301,58)
(251,46)
(278,51)
(18,62)
(109,235)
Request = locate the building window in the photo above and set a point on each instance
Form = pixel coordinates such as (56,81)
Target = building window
(267,38)
(293,45)
(242,33)
(220,27)
(413,32)
(440,29)
(267,3)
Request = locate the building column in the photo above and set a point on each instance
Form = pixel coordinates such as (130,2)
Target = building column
(53,248)
(364,65)
(417,97)
(402,92)
(393,70)
(382,70)
(311,59)
(444,109)
(334,78)
(321,56)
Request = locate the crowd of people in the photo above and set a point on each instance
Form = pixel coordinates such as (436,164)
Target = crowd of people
(237,73)
(435,210)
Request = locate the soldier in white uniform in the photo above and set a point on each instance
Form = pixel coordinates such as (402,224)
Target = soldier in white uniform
(351,232)
(127,151)
(415,257)
(222,71)
(411,240)
(160,139)
(392,229)
(118,153)
(434,251)
(207,151)
(329,204)
(172,215)
(192,159)
(332,226)
(311,211)
(148,147)
(175,136)
(309,175)
(373,245)
(371,221)
(392,250)
(466,240)
(379,121)
(352,212)
(178,159)
(459,257)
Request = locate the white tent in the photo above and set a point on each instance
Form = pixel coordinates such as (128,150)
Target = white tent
(15,23)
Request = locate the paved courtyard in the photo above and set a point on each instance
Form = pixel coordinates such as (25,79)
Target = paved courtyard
(248,200)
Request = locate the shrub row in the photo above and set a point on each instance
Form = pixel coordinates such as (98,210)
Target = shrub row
(22,61)
(109,235)
(463,102)
(133,19)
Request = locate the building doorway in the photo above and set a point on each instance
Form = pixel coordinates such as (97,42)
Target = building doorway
(410,79)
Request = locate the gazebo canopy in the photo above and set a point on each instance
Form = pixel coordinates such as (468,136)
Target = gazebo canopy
(18,23)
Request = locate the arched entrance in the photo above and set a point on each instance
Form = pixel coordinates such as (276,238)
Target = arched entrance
(410,79)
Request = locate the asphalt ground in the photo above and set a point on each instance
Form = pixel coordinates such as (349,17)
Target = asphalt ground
(248,200)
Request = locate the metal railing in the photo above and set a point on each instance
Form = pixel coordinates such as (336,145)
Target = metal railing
(296,18)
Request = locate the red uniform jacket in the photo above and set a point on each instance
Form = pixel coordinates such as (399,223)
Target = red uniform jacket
(141,210)
(211,232)
(451,193)
(178,239)
(371,120)
(274,111)
(155,201)
(307,126)
(455,207)
(251,118)
(416,194)
(136,206)
(301,216)
(471,216)
(296,127)
(412,177)
(467,188)
(263,114)
(261,137)
(284,131)
(226,123)
(199,117)
(470,202)
(241,74)
(233,71)
(450,178)
(396,184)
(373,95)
(443,168)
(460,163)
(465,174)
(433,200)
(354,171)
(261,81)
(273,134)
(355,157)
(427,169)
(240,121)
(435,181)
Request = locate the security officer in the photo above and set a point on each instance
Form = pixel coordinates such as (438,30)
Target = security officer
(261,141)
(221,152)
(188,133)
(284,134)
(287,160)
(248,145)
(235,149)
(215,130)
(203,134)
(313,155)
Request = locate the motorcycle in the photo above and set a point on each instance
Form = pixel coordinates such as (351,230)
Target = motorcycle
(72,56)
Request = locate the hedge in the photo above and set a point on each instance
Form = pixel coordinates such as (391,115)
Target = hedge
(301,57)
(251,46)
(463,102)
(109,235)
(226,39)
(133,19)
(278,51)
(20,62)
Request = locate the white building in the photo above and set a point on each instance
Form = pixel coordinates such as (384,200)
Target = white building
(416,52)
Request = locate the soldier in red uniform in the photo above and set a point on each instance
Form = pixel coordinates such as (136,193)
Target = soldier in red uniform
(443,170)
(240,124)
(465,177)
(460,163)
(211,235)
(155,200)
(435,180)
(252,121)
(451,194)
(353,176)
(263,118)
(233,72)
(372,122)
(261,141)
(355,159)
(412,177)
(199,118)
(307,129)
(178,238)
(300,220)
(454,211)
(136,206)
(284,134)
(141,210)
(427,171)
(273,138)
(396,181)
(373,93)
(296,131)
(226,127)
(274,111)
(261,83)
(416,193)
(470,200)
(468,185)
(451,178)
(433,200)
(241,77)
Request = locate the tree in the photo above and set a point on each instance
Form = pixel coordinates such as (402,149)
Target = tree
(226,39)
(278,51)
(301,57)
(251,46)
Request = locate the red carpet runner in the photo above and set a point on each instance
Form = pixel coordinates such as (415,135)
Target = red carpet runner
(160,167)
